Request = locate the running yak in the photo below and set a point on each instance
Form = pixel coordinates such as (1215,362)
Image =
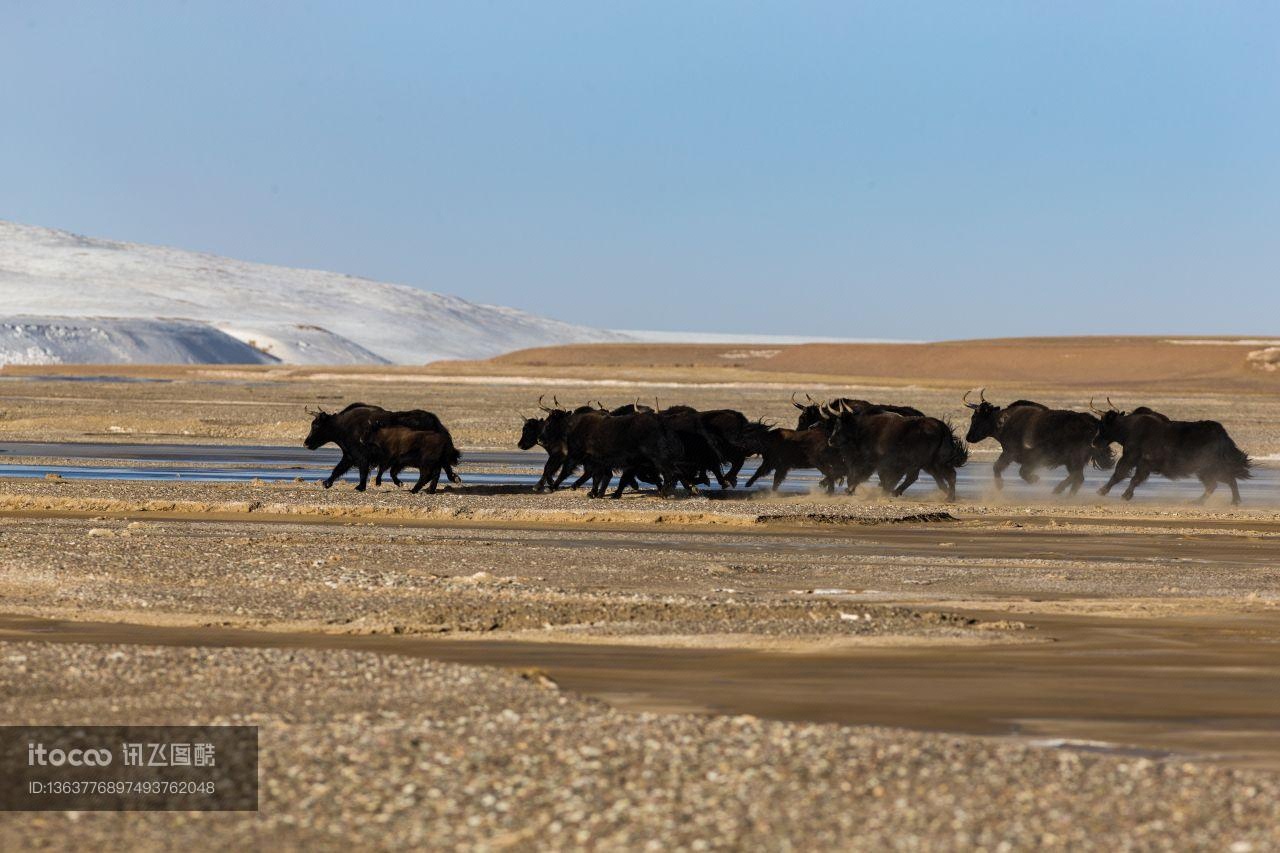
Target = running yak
(814,413)
(534,432)
(399,447)
(782,449)
(896,448)
(353,430)
(641,444)
(552,432)
(1154,444)
(1035,436)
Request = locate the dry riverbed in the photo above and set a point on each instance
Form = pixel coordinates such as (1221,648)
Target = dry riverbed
(486,668)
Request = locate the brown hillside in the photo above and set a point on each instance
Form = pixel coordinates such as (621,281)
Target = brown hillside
(1112,362)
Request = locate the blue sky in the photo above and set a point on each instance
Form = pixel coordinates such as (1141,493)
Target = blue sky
(910,170)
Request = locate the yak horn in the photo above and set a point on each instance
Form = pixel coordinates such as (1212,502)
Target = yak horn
(1094,408)
(793,401)
(542,405)
(966,400)
(657,404)
(1112,405)
(982,394)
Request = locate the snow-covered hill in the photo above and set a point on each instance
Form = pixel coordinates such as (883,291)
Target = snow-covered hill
(89,340)
(75,293)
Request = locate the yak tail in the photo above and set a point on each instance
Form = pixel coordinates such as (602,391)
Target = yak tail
(453,455)
(1102,457)
(952,451)
(755,436)
(1236,462)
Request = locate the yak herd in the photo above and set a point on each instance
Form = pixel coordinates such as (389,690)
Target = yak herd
(846,440)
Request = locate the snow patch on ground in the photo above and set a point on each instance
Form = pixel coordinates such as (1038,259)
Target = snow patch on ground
(1265,359)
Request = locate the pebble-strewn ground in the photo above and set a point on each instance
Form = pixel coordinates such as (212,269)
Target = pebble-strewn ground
(379,752)
(367,748)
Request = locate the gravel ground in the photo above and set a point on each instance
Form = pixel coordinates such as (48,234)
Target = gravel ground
(382,751)
(518,504)
(397,752)
(267,406)
(362,580)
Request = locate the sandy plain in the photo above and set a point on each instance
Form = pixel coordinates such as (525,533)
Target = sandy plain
(491,669)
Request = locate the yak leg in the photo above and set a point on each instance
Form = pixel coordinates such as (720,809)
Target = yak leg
(377,478)
(567,468)
(1075,487)
(600,483)
(1235,490)
(673,476)
(721,480)
(1210,484)
(596,485)
(586,475)
(424,474)
(627,478)
(1123,468)
(765,467)
(1075,475)
(451,474)
(779,475)
(548,471)
(1028,473)
(343,466)
(888,479)
(435,477)
(364,477)
(735,465)
(395,474)
(855,477)
(1079,471)
(946,481)
(1139,477)
(832,477)
(907,481)
(1003,461)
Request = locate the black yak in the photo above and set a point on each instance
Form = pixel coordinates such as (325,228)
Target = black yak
(785,449)
(353,427)
(1154,444)
(897,448)
(403,447)
(1035,436)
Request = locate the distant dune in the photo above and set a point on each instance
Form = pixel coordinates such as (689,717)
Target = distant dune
(1202,364)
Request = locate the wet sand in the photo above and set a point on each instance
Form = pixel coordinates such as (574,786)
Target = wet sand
(1105,685)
